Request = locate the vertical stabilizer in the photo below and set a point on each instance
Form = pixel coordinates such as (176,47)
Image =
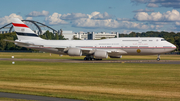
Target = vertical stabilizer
(23,31)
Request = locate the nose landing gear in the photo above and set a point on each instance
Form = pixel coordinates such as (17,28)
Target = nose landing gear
(158,58)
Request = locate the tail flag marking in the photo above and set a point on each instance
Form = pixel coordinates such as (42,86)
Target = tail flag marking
(19,25)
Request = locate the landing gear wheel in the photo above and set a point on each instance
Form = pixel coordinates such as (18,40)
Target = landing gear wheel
(85,58)
(158,59)
(88,58)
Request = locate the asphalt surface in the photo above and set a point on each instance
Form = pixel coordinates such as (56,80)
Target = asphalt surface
(33,97)
(95,61)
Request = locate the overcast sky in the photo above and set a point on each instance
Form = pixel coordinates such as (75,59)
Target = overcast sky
(122,16)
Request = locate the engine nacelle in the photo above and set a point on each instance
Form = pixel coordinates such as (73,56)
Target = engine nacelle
(119,56)
(100,54)
(74,52)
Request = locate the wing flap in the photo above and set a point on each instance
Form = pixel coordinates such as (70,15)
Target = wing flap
(117,53)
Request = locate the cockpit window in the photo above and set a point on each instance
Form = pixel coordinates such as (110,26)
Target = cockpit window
(163,40)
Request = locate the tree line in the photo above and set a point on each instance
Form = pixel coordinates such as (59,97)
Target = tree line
(172,37)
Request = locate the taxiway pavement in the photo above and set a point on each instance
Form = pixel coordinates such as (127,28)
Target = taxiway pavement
(95,61)
(33,97)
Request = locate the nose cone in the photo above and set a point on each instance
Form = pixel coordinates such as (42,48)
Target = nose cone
(173,47)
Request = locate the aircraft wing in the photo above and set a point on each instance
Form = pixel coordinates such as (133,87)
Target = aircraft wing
(118,52)
(84,50)
(114,52)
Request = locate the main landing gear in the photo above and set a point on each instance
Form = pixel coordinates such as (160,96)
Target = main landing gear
(158,58)
(90,58)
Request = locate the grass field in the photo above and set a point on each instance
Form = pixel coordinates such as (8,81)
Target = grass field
(91,81)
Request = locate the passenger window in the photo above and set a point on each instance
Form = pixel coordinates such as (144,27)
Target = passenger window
(163,40)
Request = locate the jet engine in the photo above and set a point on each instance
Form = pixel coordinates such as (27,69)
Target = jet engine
(99,54)
(74,52)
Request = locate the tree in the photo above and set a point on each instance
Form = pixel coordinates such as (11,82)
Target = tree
(132,34)
(171,40)
(42,36)
(75,38)
(10,45)
(2,44)
(56,36)
(49,35)
(61,37)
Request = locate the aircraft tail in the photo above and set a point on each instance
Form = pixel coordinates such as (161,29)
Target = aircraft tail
(23,32)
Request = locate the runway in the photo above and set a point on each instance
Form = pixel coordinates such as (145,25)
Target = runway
(95,61)
(33,97)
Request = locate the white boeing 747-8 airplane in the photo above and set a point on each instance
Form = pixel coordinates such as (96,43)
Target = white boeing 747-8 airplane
(92,49)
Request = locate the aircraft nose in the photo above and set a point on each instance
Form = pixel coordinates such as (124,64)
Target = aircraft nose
(174,47)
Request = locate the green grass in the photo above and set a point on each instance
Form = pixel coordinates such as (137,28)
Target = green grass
(56,56)
(92,81)
(33,55)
